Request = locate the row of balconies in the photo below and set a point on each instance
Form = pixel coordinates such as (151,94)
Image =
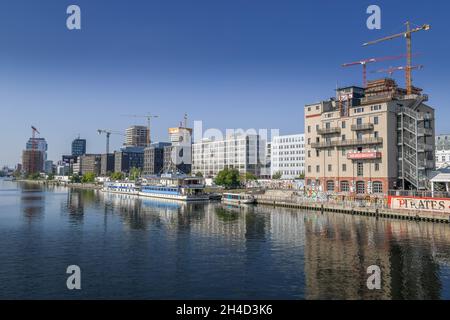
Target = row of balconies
(354,127)
(344,143)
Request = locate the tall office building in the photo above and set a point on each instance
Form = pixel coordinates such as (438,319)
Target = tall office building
(78,147)
(178,156)
(32,161)
(40,144)
(244,152)
(127,158)
(154,158)
(107,164)
(136,136)
(288,156)
(369,140)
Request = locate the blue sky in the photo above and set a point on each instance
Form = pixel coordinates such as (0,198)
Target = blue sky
(232,64)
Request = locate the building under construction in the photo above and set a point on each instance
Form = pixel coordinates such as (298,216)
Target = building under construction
(370,140)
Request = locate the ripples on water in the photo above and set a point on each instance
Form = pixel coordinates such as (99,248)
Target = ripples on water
(129,247)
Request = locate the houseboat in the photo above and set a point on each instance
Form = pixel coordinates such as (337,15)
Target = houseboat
(175,187)
(121,187)
(238,198)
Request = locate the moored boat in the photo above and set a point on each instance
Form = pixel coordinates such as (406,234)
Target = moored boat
(238,198)
(175,187)
(121,187)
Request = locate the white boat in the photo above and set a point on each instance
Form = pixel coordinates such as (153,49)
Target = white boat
(238,198)
(175,187)
(121,187)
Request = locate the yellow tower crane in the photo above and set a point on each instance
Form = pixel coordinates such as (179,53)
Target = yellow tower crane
(407,34)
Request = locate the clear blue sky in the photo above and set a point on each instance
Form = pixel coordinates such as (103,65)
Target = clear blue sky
(232,64)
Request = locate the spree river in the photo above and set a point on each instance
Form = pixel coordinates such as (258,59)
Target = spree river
(135,248)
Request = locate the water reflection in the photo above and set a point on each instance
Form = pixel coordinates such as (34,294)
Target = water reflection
(32,201)
(174,249)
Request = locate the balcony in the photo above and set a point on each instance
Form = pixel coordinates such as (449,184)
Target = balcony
(424,131)
(333,130)
(359,142)
(321,145)
(426,164)
(362,127)
(421,147)
(363,155)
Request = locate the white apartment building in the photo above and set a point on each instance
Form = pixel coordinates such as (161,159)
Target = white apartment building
(240,151)
(442,158)
(288,156)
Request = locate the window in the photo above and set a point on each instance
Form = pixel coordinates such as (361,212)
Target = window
(329,167)
(327,125)
(345,186)
(343,124)
(309,141)
(309,108)
(329,153)
(309,129)
(343,137)
(309,153)
(375,107)
(317,127)
(317,107)
(344,167)
(377,187)
(375,134)
(358,121)
(317,153)
(377,167)
(360,169)
(309,169)
(375,120)
(359,136)
(317,168)
(344,151)
(360,187)
(330,185)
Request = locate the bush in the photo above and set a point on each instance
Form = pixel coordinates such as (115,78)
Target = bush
(228,178)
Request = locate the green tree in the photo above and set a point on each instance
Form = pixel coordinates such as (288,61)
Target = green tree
(117,176)
(249,176)
(75,178)
(277,175)
(34,176)
(228,178)
(88,177)
(199,174)
(301,176)
(135,173)
(50,176)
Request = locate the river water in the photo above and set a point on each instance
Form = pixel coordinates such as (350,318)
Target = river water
(135,248)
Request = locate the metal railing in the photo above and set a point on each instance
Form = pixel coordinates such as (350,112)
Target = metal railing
(367,141)
(362,127)
(333,130)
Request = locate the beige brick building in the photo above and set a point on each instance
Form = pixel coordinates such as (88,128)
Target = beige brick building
(369,140)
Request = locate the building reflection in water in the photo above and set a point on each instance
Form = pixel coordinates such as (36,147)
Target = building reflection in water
(339,248)
(32,200)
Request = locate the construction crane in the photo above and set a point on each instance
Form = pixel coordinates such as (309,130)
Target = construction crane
(391,70)
(33,149)
(364,63)
(149,117)
(407,34)
(108,134)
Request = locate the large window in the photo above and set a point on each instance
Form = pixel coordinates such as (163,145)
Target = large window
(345,187)
(360,187)
(377,187)
(330,185)
(360,169)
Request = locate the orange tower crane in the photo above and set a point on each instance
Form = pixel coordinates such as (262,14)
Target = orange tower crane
(364,63)
(391,70)
(407,35)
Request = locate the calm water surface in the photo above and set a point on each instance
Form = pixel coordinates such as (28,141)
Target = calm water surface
(130,247)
